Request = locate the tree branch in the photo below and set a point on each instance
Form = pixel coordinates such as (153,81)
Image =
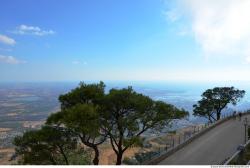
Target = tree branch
(112,144)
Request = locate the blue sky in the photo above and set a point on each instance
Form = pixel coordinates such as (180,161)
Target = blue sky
(182,40)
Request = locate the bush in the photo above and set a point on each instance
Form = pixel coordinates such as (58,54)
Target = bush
(130,161)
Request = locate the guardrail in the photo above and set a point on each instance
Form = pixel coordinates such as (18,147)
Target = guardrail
(154,157)
(239,153)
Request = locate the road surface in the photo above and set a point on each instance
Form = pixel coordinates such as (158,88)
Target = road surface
(211,148)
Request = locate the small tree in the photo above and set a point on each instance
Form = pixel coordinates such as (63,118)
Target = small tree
(215,100)
(49,145)
(127,114)
(83,121)
(79,113)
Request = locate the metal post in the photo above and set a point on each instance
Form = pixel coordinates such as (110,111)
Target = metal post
(166,148)
(248,136)
(245,133)
(179,139)
(173,143)
(245,124)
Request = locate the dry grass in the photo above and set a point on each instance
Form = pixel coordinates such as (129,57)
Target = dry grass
(108,156)
(6,153)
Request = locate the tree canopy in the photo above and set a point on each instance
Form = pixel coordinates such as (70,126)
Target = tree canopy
(47,146)
(127,115)
(79,113)
(215,100)
(83,94)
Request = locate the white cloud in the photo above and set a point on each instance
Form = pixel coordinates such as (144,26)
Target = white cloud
(7,40)
(10,60)
(248,59)
(221,28)
(32,30)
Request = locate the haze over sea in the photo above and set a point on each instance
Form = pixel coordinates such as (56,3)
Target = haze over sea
(180,94)
(185,94)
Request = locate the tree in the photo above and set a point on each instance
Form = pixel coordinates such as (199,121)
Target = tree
(215,100)
(83,121)
(121,116)
(204,109)
(79,113)
(49,145)
(126,115)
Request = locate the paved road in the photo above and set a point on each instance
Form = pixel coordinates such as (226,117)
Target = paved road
(213,147)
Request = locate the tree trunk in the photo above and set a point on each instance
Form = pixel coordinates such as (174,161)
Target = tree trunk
(64,155)
(209,118)
(218,115)
(94,147)
(119,158)
(96,158)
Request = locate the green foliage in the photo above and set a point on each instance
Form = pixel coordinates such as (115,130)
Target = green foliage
(204,109)
(127,114)
(172,132)
(83,119)
(130,161)
(141,157)
(215,100)
(133,142)
(55,118)
(47,146)
(79,157)
(84,93)
(80,114)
